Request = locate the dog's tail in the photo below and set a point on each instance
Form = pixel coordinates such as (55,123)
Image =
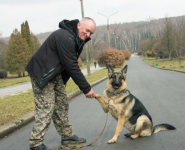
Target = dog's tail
(161,127)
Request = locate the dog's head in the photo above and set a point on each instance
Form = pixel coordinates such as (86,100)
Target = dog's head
(117,80)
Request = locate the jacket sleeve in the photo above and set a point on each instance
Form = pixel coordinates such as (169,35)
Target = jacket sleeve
(66,48)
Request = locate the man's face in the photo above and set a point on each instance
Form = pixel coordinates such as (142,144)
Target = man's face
(86,29)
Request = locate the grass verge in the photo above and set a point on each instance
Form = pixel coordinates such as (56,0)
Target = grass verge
(13,81)
(165,63)
(16,81)
(13,107)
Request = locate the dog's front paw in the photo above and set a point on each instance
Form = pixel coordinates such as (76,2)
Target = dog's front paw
(113,140)
(97,96)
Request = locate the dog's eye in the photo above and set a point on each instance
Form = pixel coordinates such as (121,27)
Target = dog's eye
(121,77)
(113,76)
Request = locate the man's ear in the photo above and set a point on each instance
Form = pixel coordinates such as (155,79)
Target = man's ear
(124,69)
(110,70)
(78,25)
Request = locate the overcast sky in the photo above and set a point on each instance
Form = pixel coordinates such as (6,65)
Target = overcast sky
(44,15)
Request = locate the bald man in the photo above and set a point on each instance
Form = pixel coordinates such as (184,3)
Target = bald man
(50,68)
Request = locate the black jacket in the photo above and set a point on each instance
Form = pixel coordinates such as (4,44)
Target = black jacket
(59,53)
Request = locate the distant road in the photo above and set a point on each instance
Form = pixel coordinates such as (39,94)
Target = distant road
(12,90)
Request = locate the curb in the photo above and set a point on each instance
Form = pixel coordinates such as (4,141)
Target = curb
(14,125)
(171,70)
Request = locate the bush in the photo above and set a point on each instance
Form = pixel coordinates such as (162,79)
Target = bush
(80,63)
(162,54)
(139,53)
(3,73)
(112,57)
(127,54)
(151,53)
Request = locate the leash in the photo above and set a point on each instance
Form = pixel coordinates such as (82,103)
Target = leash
(74,144)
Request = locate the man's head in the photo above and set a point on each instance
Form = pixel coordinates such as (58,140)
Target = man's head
(86,28)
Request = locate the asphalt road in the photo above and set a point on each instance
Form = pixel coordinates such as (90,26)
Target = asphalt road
(161,91)
(12,90)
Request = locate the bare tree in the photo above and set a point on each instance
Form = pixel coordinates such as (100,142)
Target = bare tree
(132,36)
(143,45)
(95,45)
(180,37)
(168,39)
(2,50)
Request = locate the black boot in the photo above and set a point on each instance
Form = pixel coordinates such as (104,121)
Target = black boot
(40,147)
(73,138)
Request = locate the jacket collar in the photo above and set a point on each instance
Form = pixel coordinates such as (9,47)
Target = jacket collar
(72,27)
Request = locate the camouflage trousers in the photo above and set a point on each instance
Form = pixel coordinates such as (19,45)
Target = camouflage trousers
(50,103)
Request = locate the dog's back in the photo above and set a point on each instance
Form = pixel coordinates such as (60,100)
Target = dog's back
(137,110)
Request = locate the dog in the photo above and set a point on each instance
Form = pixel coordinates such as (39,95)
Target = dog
(126,108)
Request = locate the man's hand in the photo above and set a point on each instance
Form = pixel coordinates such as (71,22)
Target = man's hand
(90,94)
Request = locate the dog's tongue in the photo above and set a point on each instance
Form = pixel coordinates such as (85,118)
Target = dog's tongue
(116,87)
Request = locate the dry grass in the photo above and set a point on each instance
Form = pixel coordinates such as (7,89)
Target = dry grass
(13,81)
(16,106)
(165,63)
(16,81)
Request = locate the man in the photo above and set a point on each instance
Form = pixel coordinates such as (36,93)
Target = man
(50,68)
(95,64)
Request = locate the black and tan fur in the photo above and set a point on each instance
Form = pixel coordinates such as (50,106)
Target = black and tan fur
(126,108)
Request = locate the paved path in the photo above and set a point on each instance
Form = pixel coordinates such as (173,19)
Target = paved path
(162,93)
(26,86)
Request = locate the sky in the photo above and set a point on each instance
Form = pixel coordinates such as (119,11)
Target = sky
(45,15)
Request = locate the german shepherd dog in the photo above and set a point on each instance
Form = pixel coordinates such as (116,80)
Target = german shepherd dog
(126,108)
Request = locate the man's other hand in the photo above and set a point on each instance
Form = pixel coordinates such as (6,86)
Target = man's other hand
(90,94)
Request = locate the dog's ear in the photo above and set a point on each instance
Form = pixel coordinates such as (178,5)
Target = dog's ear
(110,70)
(124,69)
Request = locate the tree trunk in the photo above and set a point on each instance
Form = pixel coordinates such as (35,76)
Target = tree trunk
(170,57)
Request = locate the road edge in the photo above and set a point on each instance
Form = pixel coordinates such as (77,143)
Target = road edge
(14,125)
